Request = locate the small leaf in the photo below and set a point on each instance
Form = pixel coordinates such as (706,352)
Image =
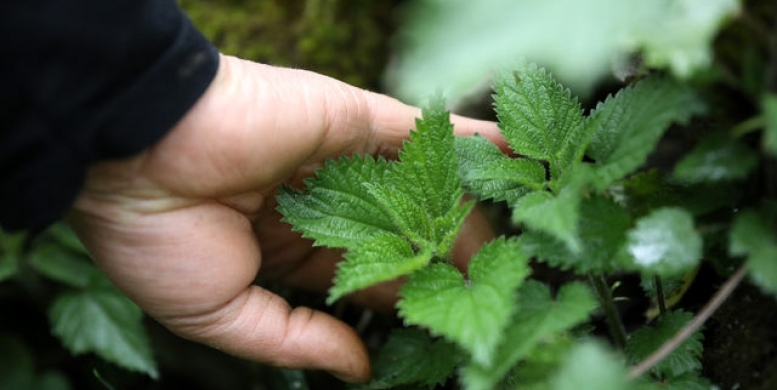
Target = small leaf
(626,128)
(490,174)
(538,316)
(377,259)
(602,227)
(769,104)
(557,216)
(664,243)
(336,209)
(752,235)
(11,247)
(686,358)
(105,322)
(412,356)
(716,158)
(60,263)
(595,366)
(473,312)
(539,117)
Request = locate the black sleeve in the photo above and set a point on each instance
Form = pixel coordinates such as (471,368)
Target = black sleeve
(83,81)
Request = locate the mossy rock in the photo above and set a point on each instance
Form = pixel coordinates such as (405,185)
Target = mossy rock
(345,39)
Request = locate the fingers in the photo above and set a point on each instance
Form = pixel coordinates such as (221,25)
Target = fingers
(192,269)
(260,326)
(258,125)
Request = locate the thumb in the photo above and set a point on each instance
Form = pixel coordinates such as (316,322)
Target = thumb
(260,326)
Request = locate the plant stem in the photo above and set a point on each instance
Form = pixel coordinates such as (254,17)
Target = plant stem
(692,326)
(660,294)
(604,295)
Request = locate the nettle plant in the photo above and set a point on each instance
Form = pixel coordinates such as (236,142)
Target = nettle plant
(583,201)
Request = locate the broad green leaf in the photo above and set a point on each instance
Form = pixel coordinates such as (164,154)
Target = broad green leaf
(538,316)
(490,174)
(685,359)
(626,128)
(105,322)
(755,237)
(336,209)
(691,381)
(602,227)
(664,243)
(65,236)
(593,365)
(539,117)
(716,158)
(376,259)
(576,39)
(412,356)
(471,312)
(542,363)
(63,264)
(769,104)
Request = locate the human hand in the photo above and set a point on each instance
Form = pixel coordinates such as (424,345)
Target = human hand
(184,228)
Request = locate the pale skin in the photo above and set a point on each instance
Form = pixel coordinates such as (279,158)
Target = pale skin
(185,227)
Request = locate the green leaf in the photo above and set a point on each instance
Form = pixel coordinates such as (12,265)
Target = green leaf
(753,235)
(63,265)
(11,248)
(626,128)
(557,215)
(16,364)
(686,358)
(717,157)
(602,227)
(538,316)
(471,312)
(576,39)
(412,356)
(539,118)
(690,381)
(336,209)
(428,170)
(769,104)
(490,174)
(105,322)
(65,236)
(664,243)
(377,259)
(595,366)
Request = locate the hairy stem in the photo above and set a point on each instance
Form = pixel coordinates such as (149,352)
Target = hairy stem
(604,295)
(725,291)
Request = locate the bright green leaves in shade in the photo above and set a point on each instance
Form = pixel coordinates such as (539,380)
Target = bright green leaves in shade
(490,174)
(769,104)
(411,356)
(685,359)
(602,238)
(754,236)
(664,243)
(718,157)
(593,365)
(576,39)
(393,217)
(539,117)
(626,128)
(538,317)
(376,259)
(471,312)
(100,319)
(336,208)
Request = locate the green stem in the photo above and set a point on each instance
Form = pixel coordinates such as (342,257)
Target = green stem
(604,295)
(660,294)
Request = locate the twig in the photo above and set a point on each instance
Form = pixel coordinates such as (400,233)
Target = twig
(725,290)
(660,294)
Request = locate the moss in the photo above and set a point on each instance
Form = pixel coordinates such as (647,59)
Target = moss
(345,39)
